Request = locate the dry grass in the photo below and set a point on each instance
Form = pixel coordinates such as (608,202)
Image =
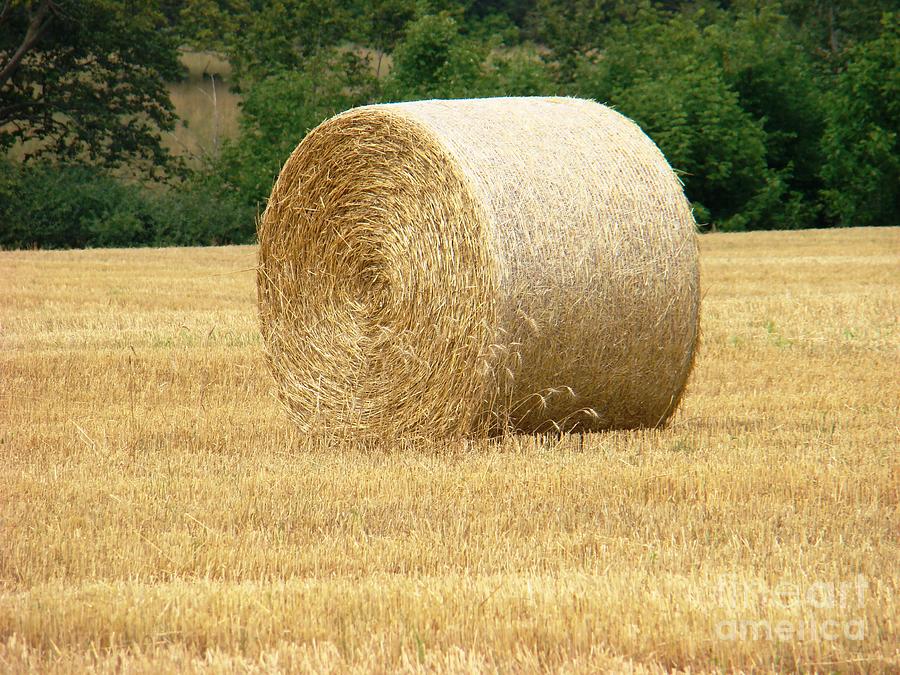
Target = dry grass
(208,110)
(157,512)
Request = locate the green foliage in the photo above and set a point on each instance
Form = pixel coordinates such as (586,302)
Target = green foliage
(437,59)
(201,212)
(513,11)
(284,35)
(832,26)
(494,30)
(277,112)
(862,167)
(85,80)
(776,115)
(65,207)
(778,86)
(733,108)
(385,22)
(434,60)
(661,75)
(208,24)
(49,206)
(571,28)
(519,71)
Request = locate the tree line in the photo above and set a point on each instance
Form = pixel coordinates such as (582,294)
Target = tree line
(775,114)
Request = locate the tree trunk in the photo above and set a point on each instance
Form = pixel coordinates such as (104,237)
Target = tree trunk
(36,27)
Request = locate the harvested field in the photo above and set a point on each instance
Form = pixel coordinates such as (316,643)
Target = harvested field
(159,511)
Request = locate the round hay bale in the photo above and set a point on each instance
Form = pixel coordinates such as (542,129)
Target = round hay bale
(445,268)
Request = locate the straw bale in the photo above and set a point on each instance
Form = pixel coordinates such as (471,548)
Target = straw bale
(451,268)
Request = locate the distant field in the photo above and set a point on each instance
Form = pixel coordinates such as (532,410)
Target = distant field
(208,110)
(158,513)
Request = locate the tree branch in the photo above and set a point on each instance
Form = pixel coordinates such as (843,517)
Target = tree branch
(7,5)
(36,27)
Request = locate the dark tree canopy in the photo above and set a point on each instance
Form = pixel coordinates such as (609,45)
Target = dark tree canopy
(85,80)
(775,113)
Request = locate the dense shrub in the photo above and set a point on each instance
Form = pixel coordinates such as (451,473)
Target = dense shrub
(732,104)
(52,207)
(776,115)
(862,141)
(435,60)
(47,206)
(661,75)
(201,213)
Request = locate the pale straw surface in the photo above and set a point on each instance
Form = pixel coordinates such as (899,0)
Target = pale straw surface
(444,268)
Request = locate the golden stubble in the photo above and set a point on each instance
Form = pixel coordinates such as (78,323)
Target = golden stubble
(158,510)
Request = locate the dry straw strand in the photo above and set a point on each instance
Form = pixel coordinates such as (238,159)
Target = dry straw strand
(451,268)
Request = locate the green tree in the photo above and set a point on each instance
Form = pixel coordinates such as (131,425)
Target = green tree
(861,146)
(280,109)
(833,26)
(662,75)
(570,28)
(731,99)
(85,80)
(209,24)
(516,11)
(519,71)
(284,34)
(434,60)
(763,60)
(384,24)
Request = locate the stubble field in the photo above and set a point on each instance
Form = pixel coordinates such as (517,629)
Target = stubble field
(157,512)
